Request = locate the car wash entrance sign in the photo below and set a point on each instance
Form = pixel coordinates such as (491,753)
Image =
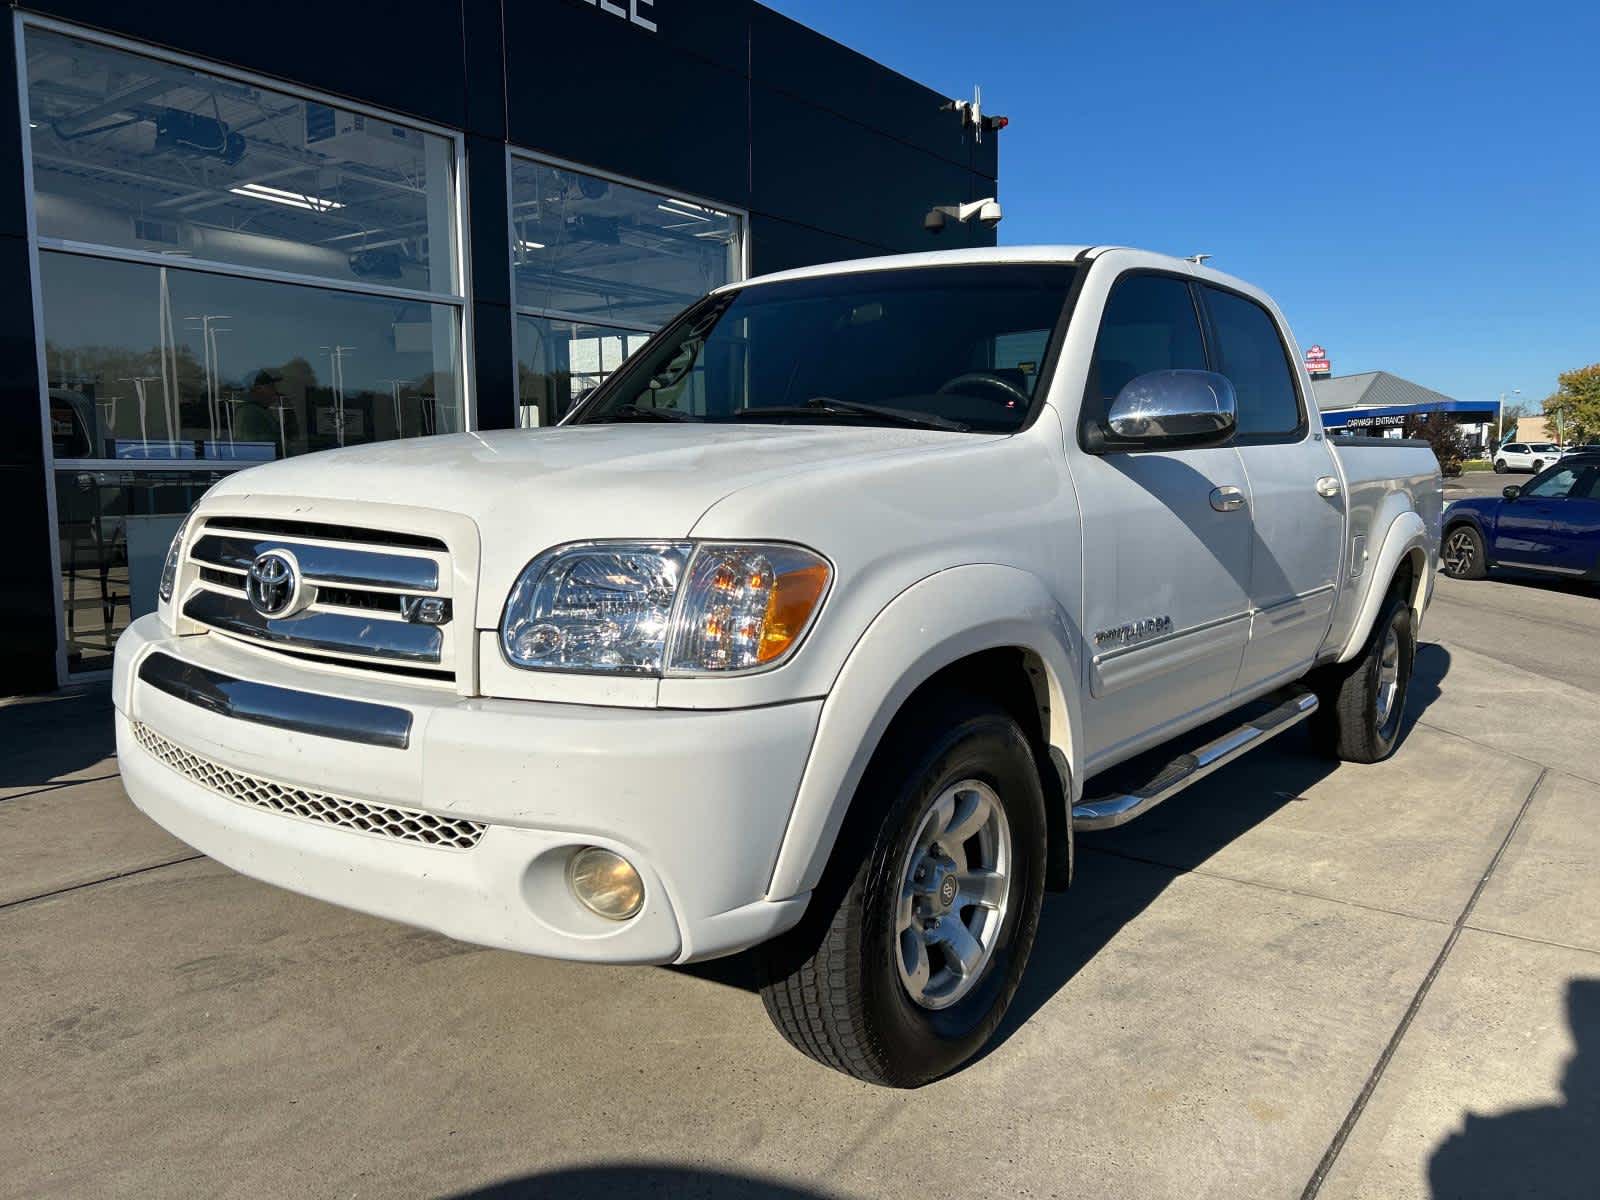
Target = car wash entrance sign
(635,11)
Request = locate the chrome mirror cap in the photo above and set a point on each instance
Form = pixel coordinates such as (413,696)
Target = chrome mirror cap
(1174,407)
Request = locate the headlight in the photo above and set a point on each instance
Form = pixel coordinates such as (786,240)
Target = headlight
(673,608)
(169,569)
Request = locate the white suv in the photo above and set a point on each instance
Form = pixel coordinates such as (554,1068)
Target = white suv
(1526,456)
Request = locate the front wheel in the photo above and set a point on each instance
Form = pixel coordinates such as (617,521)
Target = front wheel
(1538,465)
(1462,556)
(918,936)
(1363,702)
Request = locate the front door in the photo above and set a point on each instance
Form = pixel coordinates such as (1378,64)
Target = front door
(1296,498)
(1166,542)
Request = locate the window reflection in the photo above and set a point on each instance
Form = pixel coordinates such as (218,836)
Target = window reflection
(148,363)
(559,361)
(146,155)
(589,248)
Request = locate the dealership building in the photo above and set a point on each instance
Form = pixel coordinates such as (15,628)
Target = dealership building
(232,237)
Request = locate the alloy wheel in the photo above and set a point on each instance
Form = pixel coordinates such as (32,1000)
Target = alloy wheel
(1459,553)
(955,883)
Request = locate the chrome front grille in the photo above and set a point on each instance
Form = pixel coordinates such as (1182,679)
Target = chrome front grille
(381,820)
(365,598)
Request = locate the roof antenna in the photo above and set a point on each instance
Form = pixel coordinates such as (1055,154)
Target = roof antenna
(1198,260)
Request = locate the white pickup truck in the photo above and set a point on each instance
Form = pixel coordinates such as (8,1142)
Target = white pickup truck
(818,628)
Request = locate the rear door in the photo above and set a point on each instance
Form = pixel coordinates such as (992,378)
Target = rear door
(1298,504)
(1166,539)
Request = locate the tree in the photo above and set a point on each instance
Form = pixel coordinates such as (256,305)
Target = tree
(1443,436)
(1510,414)
(1574,408)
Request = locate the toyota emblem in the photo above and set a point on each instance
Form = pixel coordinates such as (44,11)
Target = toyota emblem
(273,584)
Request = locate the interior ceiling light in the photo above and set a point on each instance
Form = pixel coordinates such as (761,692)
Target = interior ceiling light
(260,191)
(682,208)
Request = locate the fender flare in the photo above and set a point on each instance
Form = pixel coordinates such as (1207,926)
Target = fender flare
(935,622)
(1406,533)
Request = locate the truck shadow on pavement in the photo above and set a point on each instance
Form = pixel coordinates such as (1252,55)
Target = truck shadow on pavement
(1121,872)
(1546,1150)
(641,1180)
(52,737)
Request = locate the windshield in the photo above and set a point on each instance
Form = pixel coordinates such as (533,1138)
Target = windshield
(1544,447)
(958,348)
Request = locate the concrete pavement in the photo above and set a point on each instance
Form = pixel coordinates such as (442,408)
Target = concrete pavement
(1294,980)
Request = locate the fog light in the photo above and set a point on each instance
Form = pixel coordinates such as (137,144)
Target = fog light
(605,883)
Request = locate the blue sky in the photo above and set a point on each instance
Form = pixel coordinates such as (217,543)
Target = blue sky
(1420,190)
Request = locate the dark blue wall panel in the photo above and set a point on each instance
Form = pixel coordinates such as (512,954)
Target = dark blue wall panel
(814,168)
(588,87)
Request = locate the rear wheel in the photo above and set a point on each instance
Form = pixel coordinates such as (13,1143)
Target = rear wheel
(1363,702)
(1499,466)
(1462,555)
(917,938)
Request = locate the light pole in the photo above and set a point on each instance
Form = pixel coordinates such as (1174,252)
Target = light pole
(208,347)
(1500,418)
(139,382)
(394,390)
(336,357)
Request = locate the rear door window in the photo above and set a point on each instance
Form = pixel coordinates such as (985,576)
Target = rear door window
(1252,355)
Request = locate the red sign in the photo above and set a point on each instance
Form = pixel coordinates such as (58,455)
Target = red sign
(1317,361)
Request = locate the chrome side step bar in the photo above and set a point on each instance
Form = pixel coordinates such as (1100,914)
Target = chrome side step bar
(1107,812)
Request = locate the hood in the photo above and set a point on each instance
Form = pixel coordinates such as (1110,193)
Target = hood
(530,489)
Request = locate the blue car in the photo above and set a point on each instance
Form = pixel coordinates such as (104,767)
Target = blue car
(1550,524)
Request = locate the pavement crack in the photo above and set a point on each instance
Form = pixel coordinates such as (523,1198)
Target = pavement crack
(1533,762)
(91,883)
(1342,1135)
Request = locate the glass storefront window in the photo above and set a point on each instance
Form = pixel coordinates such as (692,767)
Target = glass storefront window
(114,527)
(558,361)
(153,156)
(228,274)
(148,363)
(592,249)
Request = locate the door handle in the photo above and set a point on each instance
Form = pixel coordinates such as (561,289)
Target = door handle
(1227,498)
(1328,486)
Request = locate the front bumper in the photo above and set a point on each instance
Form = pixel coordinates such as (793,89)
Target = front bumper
(698,801)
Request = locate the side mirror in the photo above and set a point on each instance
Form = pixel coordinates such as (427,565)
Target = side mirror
(1512,491)
(1174,409)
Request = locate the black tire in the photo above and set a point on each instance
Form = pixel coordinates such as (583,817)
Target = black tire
(1538,465)
(1348,725)
(1462,556)
(1499,466)
(833,986)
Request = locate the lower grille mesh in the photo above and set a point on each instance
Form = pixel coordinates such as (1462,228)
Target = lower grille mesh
(404,824)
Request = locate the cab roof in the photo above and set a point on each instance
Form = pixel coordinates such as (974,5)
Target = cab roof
(997,255)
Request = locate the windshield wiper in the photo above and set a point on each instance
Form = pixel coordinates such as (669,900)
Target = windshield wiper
(827,405)
(632,412)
